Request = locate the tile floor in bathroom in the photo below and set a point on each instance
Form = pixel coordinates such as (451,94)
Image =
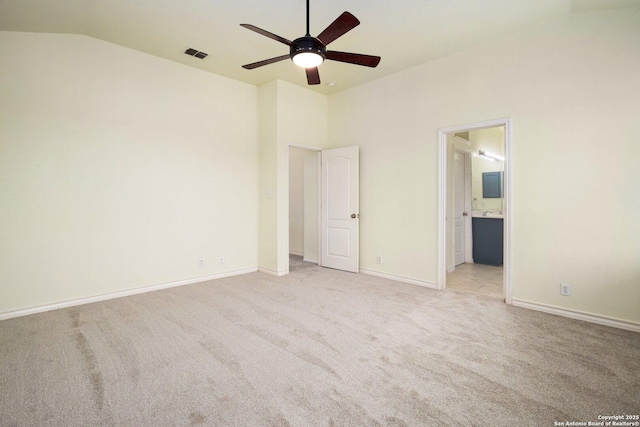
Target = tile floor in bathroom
(478,279)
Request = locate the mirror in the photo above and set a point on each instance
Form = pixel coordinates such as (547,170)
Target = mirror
(491,185)
(486,183)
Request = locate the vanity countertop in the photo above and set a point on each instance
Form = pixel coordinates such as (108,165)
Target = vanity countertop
(488,214)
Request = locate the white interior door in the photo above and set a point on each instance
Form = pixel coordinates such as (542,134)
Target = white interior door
(340,210)
(459,167)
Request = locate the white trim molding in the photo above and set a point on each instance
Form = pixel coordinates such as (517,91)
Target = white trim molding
(462,140)
(578,315)
(304,146)
(397,278)
(120,294)
(273,272)
(296,253)
(311,260)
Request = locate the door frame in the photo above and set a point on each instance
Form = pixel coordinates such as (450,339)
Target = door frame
(443,199)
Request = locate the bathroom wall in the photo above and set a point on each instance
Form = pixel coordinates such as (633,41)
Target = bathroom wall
(492,141)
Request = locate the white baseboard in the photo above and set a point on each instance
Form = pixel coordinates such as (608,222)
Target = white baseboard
(273,272)
(403,279)
(573,314)
(312,260)
(120,294)
(296,253)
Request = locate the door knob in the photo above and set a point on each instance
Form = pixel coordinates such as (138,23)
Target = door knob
(353,215)
(464,214)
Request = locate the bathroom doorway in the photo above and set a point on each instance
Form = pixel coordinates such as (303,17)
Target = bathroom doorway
(474,214)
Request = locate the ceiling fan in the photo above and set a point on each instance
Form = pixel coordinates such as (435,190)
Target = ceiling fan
(308,52)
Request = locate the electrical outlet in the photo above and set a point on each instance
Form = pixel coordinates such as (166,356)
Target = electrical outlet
(379,259)
(221,259)
(565,289)
(200,263)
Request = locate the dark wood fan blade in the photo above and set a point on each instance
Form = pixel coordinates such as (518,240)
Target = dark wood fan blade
(313,76)
(266,33)
(354,58)
(265,62)
(345,23)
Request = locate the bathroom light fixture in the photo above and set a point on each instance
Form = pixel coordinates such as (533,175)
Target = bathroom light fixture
(490,156)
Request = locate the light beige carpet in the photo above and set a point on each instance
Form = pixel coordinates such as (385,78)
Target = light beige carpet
(318,347)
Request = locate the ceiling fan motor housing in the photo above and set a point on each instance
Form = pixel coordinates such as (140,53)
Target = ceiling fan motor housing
(308,44)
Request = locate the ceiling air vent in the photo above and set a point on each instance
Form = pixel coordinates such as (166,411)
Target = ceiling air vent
(196,53)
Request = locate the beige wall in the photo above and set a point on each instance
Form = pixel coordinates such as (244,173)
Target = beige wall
(268,194)
(296,201)
(292,115)
(302,119)
(311,206)
(570,87)
(119,170)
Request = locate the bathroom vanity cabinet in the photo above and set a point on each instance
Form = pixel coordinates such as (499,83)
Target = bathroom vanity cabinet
(488,236)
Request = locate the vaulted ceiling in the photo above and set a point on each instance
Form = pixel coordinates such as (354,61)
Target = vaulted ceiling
(404,33)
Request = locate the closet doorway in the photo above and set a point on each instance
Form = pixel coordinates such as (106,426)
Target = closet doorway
(304,193)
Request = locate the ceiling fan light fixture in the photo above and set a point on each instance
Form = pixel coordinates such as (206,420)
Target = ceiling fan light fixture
(307,59)
(307,52)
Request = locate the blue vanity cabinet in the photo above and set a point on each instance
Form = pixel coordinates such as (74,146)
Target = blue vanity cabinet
(488,236)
